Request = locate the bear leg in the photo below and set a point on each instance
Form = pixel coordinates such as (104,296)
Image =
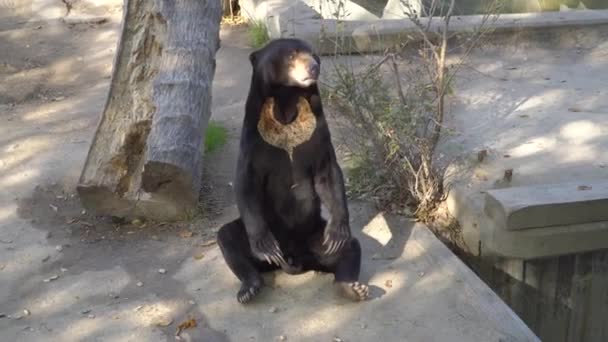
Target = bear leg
(345,266)
(234,245)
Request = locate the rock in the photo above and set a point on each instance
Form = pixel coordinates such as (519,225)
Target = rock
(53,277)
(163,321)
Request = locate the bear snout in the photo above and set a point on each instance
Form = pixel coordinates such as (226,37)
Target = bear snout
(313,70)
(304,71)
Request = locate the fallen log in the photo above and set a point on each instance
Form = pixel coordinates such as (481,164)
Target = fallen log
(145,158)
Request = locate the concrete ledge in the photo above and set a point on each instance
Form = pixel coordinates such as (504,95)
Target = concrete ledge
(327,36)
(547,205)
(364,36)
(485,238)
(544,242)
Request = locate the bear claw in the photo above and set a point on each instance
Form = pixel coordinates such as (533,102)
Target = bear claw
(355,290)
(247,293)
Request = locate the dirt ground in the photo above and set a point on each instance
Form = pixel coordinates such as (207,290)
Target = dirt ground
(55,67)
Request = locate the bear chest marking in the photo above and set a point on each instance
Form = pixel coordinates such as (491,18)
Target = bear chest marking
(287,137)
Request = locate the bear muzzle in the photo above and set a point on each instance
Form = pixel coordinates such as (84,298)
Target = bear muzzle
(304,71)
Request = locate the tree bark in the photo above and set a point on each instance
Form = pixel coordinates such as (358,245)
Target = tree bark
(145,159)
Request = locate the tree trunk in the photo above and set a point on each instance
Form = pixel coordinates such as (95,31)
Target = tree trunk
(145,158)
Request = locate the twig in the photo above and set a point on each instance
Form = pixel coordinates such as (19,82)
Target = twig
(398,80)
(441,79)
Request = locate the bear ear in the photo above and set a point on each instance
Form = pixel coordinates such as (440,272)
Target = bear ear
(253,57)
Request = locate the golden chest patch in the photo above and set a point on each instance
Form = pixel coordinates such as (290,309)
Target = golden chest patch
(289,136)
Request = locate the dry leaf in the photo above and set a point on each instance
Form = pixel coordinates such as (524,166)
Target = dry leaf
(482,177)
(185,233)
(208,243)
(388,283)
(191,323)
(199,256)
(508,175)
(481,155)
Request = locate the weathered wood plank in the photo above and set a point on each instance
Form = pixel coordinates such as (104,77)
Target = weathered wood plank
(581,282)
(598,331)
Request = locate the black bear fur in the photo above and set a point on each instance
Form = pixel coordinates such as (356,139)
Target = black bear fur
(278,195)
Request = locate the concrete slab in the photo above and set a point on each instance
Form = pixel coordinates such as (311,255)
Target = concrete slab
(364,36)
(420,292)
(547,205)
(487,239)
(537,103)
(269,10)
(342,10)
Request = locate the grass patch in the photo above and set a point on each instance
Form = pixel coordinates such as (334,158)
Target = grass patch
(215,137)
(258,34)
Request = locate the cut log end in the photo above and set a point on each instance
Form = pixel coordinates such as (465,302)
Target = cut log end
(100,200)
(169,181)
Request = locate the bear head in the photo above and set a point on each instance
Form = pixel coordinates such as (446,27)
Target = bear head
(286,62)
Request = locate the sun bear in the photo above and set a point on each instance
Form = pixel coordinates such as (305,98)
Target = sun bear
(286,169)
